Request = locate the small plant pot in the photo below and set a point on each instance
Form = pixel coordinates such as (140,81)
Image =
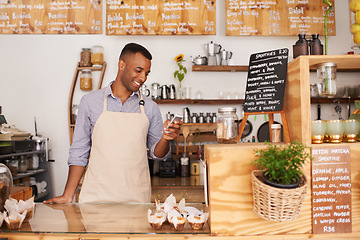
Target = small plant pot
(278,185)
(276,204)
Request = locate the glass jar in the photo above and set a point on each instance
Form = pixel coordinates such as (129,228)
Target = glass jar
(326,75)
(22,165)
(5,185)
(85,57)
(97,55)
(86,80)
(275,133)
(226,126)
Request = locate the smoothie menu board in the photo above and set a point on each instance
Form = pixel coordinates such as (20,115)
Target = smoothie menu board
(273,17)
(159,17)
(50,17)
(265,84)
(331,189)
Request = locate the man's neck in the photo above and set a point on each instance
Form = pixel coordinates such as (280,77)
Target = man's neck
(120,91)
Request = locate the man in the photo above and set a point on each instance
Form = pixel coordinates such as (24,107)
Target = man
(115,126)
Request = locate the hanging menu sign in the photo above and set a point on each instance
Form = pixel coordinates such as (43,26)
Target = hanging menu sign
(331,190)
(159,17)
(265,84)
(50,17)
(272,17)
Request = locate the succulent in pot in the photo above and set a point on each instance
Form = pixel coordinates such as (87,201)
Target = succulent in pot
(282,164)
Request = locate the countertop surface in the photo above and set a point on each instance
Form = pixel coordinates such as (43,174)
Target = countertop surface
(98,218)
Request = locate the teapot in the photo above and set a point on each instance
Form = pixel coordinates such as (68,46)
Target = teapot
(199,60)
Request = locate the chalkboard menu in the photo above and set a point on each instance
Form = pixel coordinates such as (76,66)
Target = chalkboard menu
(265,84)
(159,17)
(50,17)
(331,189)
(272,17)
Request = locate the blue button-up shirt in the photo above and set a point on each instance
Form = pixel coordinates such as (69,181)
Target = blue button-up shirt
(91,107)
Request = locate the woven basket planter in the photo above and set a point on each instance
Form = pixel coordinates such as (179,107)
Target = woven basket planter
(276,204)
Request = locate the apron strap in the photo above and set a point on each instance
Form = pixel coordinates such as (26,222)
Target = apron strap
(141,103)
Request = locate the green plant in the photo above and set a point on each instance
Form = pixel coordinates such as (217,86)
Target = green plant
(180,73)
(282,163)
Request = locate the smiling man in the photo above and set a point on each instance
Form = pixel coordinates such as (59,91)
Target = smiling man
(115,126)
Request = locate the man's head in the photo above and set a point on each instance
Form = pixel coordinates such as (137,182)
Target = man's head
(132,48)
(134,66)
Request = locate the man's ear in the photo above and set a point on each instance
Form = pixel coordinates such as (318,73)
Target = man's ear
(121,64)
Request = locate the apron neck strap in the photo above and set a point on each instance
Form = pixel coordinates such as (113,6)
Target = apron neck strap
(141,103)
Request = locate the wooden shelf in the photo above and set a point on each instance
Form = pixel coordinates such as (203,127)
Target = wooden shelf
(200,101)
(333,100)
(207,68)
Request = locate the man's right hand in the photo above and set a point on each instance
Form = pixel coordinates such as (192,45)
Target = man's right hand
(59,199)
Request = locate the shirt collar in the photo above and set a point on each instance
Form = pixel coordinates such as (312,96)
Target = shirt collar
(110,93)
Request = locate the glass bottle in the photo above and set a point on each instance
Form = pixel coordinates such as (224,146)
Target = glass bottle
(301,46)
(226,127)
(22,165)
(316,48)
(5,185)
(85,57)
(97,55)
(86,80)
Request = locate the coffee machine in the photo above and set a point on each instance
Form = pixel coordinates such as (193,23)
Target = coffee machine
(212,50)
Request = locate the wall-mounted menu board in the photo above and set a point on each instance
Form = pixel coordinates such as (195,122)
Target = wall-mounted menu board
(278,17)
(331,189)
(161,17)
(50,17)
(265,84)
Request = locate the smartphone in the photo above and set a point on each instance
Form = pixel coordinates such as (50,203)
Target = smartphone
(177,118)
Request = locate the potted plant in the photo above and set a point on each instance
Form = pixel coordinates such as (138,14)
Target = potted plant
(279,185)
(282,165)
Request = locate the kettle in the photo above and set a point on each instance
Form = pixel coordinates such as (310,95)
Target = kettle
(199,60)
(186,115)
(172,91)
(212,48)
(164,92)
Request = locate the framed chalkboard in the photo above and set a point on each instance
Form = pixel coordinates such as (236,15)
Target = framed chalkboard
(266,79)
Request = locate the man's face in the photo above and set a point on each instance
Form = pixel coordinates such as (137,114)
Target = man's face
(135,69)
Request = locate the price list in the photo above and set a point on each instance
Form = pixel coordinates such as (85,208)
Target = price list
(50,17)
(287,17)
(158,17)
(265,84)
(331,190)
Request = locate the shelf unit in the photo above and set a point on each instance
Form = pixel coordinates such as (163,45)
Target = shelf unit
(40,174)
(207,68)
(78,69)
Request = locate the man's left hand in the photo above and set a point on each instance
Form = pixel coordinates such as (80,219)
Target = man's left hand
(171,130)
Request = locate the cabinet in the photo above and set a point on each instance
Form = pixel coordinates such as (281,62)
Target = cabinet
(71,118)
(43,187)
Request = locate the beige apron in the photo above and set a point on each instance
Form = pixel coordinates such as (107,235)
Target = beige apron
(118,166)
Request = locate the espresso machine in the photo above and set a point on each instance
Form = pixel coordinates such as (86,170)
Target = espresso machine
(212,50)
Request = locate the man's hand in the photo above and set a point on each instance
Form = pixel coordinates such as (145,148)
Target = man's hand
(59,199)
(171,130)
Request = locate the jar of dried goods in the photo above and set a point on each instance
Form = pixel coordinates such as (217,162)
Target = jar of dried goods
(97,55)
(85,57)
(86,80)
(226,128)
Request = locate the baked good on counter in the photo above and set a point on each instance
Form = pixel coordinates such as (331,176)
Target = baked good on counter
(14,220)
(157,219)
(13,207)
(176,220)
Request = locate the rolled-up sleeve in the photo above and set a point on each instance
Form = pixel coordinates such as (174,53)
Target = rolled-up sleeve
(81,144)
(154,132)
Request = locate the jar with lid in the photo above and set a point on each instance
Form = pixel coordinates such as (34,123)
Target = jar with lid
(85,57)
(275,133)
(5,185)
(97,55)
(326,76)
(226,127)
(86,80)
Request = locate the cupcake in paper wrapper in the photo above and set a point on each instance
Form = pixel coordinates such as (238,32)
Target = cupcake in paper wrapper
(195,217)
(13,207)
(14,220)
(157,219)
(176,220)
(2,217)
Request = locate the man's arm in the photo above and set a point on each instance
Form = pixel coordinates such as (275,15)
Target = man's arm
(170,132)
(74,176)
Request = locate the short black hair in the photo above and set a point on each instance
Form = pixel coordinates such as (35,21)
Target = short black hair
(135,48)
